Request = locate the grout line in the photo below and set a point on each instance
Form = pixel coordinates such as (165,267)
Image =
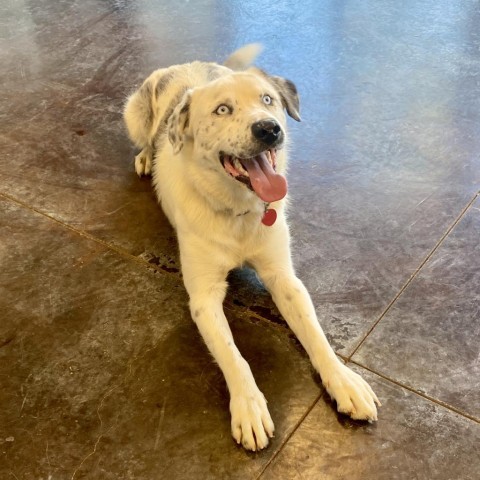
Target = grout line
(91,237)
(290,435)
(415,273)
(384,377)
(420,394)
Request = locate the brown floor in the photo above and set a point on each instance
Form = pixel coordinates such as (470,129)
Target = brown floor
(102,372)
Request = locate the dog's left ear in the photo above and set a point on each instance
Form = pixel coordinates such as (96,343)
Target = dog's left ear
(178,122)
(289,95)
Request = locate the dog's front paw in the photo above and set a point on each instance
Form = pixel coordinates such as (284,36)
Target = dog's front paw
(352,393)
(251,421)
(143,162)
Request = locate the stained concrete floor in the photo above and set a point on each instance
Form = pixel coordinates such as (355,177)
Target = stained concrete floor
(102,372)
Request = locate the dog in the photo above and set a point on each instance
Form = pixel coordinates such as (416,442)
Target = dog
(214,138)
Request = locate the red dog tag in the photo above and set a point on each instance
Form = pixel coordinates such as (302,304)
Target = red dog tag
(269,217)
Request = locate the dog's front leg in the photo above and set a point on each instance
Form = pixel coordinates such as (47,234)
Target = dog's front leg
(250,420)
(353,395)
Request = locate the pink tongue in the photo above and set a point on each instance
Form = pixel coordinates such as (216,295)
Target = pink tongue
(268,185)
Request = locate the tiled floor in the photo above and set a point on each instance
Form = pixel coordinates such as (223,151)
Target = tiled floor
(102,372)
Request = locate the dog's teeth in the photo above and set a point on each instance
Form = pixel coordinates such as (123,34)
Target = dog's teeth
(240,168)
(273,158)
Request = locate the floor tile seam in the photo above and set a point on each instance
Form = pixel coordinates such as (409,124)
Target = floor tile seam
(290,435)
(415,273)
(82,233)
(249,313)
(418,393)
(88,236)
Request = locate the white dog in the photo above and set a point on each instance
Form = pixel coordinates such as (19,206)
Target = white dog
(214,139)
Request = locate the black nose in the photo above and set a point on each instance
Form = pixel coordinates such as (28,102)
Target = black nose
(267,131)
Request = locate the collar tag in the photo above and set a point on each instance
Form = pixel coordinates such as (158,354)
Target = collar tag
(269,217)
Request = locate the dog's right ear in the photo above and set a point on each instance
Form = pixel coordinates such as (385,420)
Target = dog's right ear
(289,95)
(178,123)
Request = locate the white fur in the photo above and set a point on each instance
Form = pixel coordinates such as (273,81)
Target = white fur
(181,137)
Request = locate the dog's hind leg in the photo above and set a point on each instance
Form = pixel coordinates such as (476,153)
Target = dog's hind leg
(139,115)
(143,161)
(139,118)
(205,282)
(142,117)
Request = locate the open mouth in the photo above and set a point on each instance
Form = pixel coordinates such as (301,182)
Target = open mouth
(258,173)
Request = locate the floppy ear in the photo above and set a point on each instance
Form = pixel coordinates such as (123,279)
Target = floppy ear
(178,122)
(287,91)
(289,95)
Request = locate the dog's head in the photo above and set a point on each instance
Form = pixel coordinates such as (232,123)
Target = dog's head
(236,125)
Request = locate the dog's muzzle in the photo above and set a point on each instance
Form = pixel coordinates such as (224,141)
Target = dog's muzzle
(268,132)
(257,169)
(258,173)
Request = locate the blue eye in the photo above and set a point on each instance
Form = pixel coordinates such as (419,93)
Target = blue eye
(267,100)
(223,110)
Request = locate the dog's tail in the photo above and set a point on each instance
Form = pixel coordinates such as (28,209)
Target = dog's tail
(243,57)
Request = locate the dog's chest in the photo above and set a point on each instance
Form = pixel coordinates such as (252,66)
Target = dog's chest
(234,238)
